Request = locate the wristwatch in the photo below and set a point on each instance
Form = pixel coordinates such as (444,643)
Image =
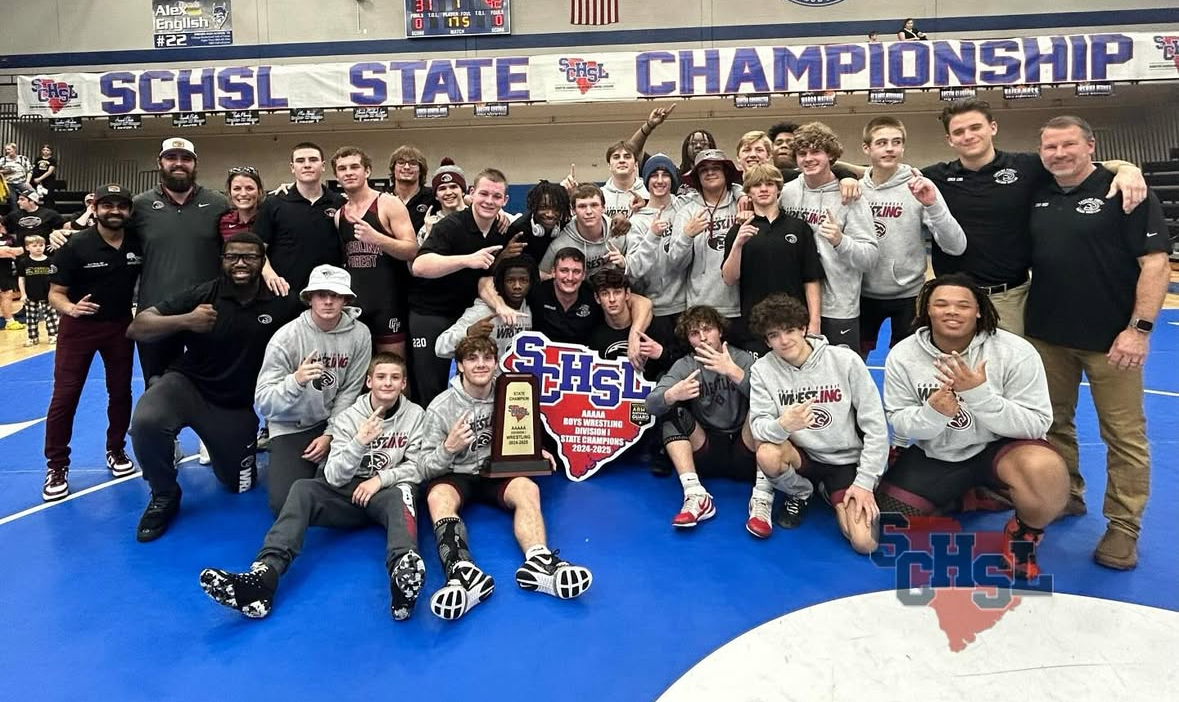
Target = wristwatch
(1143,325)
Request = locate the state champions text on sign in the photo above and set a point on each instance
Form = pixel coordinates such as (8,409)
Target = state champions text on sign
(576,77)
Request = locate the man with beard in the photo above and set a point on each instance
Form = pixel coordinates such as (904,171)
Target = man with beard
(407,170)
(224,324)
(298,224)
(378,239)
(177,226)
(92,290)
(313,370)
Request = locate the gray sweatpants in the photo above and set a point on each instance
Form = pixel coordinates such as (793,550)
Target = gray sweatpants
(316,502)
(288,465)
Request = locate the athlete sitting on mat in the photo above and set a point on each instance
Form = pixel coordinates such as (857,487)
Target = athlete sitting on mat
(974,400)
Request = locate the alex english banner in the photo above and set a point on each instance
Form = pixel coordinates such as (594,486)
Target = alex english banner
(607,76)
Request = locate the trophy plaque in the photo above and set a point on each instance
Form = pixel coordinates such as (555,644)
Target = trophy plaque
(516,432)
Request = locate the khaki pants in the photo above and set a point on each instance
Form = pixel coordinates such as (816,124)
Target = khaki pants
(1117,396)
(1010,305)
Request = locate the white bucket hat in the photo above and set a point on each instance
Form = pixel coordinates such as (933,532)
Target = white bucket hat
(328,279)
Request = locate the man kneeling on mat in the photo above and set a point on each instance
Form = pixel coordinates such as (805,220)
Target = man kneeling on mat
(368,477)
(974,400)
(456,445)
(817,415)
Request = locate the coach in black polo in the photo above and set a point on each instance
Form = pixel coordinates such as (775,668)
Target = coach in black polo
(990,193)
(297,225)
(1099,277)
(225,325)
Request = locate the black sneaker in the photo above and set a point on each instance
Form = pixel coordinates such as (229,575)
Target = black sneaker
(405,584)
(467,587)
(118,463)
(158,516)
(793,512)
(57,484)
(250,593)
(549,574)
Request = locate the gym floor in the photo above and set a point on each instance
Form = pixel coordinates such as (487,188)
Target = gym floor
(92,614)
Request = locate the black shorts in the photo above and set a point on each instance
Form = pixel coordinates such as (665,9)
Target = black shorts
(8,277)
(932,485)
(475,488)
(724,455)
(834,479)
(900,312)
(841,332)
(385,321)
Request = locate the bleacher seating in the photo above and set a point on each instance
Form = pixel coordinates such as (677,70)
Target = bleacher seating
(1163,178)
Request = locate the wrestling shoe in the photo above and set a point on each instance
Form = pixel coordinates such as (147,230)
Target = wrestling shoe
(793,512)
(405,584)
(158,516)
(697,508)
(467,587)
(1019,549)
(759,523)
(250,593)
(547,573)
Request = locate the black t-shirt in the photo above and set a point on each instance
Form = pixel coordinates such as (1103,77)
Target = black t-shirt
(40,221)
(88,265)
(536,239)
(450,296)
(610,343)
(43,164)
(421,203)
(993,205)
(572,325)
(779,258)
(36,275)
(224,363)
(299,234)
(1085,262)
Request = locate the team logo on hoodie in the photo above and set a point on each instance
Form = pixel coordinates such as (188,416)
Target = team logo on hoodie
(324,381)
(820,418)
(962,421)
(594,407)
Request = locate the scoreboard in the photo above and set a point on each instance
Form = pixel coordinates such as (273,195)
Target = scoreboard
(445,18)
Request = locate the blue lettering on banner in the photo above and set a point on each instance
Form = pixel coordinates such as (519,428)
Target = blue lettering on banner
(230,83)
(747,69)
(643,69)
(441,78)
(266,97)
(808,63)
(146,101)
(505,78)
(837,67)
(377,92)
(112,86)
(996,55)
(960,63)
(475,77)
(186,90)
(409,81)
(710,72)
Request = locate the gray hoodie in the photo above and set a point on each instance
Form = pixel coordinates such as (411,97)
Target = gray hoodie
(1012,403)
(441,415)
(595,251)
(648,264)
(704,254)
(844,266)
(849,425)
(394,455)
(721,405)
(900,221)
(501,332)
(345,353)
(618,201)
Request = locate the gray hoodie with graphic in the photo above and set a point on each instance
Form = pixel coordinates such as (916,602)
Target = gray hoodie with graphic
(721,405)
(1012,403)
(595,251)
(849,425)
(846,265)
(704,254)
(441,415)
(501,332)
(394,455)
(618,201)
(648,263)
(900,220)
(345,353)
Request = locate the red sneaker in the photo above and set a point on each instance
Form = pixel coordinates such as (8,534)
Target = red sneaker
(759,523)
(697,507)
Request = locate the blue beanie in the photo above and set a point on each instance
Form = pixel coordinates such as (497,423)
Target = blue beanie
(664,162)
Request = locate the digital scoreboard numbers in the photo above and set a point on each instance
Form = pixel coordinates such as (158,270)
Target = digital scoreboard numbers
(451,18)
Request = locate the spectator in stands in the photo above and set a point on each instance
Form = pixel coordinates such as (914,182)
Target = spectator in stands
(909,32)
(44,175)
(16,171)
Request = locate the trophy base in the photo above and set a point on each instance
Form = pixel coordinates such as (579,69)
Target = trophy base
(517,469)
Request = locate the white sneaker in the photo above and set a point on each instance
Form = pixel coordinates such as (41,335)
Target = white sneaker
(697,507)
(203,455)
(759,523)
(467,587)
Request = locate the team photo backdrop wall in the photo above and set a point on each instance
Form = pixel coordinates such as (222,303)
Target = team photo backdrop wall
(607,76)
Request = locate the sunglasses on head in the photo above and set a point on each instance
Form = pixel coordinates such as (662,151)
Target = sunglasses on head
(243,170)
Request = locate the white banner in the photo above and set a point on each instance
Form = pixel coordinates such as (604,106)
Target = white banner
(607,76)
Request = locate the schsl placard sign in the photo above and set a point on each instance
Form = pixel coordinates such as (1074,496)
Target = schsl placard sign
(594,408)
(609,76)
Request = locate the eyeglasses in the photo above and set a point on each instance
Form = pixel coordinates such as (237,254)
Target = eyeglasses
(247,257)
(243,170)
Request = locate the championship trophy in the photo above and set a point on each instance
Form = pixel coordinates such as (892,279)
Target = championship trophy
(516,431)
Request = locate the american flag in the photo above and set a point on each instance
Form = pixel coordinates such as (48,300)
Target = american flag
(593,11)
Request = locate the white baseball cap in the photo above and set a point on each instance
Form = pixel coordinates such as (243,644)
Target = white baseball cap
(177,144)
(327,278)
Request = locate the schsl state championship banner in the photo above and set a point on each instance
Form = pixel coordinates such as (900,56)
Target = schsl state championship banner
(608,76)
(594,408)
